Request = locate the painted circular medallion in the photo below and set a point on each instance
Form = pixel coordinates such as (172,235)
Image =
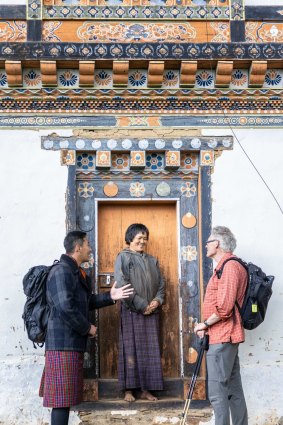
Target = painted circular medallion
(163,189)
(189,220)
(110,189)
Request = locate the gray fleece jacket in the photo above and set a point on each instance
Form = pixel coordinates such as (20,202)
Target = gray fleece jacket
(143,273)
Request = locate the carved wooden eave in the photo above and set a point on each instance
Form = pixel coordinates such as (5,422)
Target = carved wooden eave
(221,59)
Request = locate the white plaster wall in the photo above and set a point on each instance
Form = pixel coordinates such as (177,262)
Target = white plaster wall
(242,202)
(32,228)
(263,2)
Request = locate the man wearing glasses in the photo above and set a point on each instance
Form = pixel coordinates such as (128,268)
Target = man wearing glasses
(222,321)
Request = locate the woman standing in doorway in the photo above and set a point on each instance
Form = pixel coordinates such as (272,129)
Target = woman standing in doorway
(139,365)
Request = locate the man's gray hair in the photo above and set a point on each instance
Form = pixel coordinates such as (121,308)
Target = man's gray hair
(226,238)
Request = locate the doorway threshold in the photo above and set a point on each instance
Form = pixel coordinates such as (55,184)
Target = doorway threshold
(163,403)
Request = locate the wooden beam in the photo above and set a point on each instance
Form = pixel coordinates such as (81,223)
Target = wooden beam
(155,73)
(86,69)
(14,73)
(120,73)
(48,73)
(188,73)
(257,73)
(224,71)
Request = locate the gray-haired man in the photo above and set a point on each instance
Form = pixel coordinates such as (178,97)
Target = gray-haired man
(223,323)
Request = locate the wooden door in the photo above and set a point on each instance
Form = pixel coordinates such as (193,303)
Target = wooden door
(161,220)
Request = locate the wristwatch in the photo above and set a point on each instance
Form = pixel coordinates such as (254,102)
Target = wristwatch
(206,324)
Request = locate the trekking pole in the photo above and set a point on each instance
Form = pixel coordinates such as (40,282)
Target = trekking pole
(203,348)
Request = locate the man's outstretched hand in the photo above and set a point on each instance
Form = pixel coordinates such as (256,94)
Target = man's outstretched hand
(123,292)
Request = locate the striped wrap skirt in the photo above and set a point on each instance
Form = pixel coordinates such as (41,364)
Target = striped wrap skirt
(62,379)
(139,364)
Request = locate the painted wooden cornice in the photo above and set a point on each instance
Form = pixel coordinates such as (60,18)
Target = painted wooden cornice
(155,71)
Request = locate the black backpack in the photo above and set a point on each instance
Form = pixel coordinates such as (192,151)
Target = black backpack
(257,295)
(36,309)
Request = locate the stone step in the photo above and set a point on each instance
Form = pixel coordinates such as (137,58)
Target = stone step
(142,412)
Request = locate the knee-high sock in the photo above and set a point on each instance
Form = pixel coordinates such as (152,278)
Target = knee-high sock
(60,416)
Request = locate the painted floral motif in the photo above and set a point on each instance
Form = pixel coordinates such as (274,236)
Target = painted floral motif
(32,78)
(103,78)
(127,32)
(103,158)
(189,253)
(137,158)
(188,189)
(68,79)
(85,190)
(120,161)
(154,161)
(68,157)
(137,78)
(188,161)
(273,78)
(85,161)
(137,189)
(204,79)
(170,79)
(207,158)
(222,32)
(239,78)
(48,31)
(136,32)
(172,158)
(3,79)
(13,31)
(257,32)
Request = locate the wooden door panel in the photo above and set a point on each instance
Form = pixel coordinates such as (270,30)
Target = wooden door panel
(160,218)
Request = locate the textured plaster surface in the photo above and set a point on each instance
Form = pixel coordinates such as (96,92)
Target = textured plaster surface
(32,227)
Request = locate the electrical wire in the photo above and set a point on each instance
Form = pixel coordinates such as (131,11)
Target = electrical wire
(232,130)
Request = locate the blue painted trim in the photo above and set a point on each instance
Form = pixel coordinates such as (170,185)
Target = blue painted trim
(149,51)
(104,121)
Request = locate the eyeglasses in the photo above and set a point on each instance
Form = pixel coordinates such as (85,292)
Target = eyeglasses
(212,240)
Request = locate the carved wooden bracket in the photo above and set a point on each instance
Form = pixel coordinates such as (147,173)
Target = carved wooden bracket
(224,71)
(120,73)
(257,73)
(155,73)
(86,69)
(188,73)
(48,73)
(14,73)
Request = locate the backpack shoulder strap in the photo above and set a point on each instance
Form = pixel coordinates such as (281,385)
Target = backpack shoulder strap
(220,271)
(239,260)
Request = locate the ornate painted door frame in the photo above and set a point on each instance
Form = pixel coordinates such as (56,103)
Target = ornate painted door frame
(153,169)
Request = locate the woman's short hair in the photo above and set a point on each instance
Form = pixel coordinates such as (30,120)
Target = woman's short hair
(133,230)
(72,239)
(226,238)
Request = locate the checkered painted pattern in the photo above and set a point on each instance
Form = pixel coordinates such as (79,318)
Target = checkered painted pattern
(221,295)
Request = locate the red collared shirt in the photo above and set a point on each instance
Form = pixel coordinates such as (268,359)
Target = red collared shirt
(220,297)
